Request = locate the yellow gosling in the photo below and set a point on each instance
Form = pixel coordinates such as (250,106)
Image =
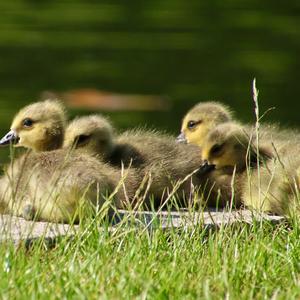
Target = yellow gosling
(199,120)
(154,155)
(53,185)
(39,126)
(229,148)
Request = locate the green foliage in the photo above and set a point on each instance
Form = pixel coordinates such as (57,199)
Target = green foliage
(190,51)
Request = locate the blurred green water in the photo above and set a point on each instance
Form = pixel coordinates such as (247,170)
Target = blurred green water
(188,50)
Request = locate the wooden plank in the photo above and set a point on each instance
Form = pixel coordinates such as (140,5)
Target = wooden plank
(18,230)
(208,218)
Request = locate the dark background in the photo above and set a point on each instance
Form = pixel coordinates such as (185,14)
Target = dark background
(190,51)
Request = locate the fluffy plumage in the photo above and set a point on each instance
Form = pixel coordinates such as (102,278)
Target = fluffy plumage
(52,185)
(275,186)
(154,155)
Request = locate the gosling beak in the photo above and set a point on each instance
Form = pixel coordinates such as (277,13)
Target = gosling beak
(10,137)
(181,138)
(205,168)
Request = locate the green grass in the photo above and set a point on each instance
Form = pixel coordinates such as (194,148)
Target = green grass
(241,262)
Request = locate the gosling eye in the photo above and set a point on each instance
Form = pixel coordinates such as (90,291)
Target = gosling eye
(27,123)
(192,124)
(82,138)
(216,149)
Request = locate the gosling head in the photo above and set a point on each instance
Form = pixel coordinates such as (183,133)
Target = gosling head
(201,119)
(228,147)
(39,126)
(92,134)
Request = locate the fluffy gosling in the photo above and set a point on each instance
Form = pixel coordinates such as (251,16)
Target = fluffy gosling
(200,119)
(39,126)
(154,155)
(229,149)
(50,185)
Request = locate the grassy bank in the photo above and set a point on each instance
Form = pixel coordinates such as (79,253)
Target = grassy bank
(258,261)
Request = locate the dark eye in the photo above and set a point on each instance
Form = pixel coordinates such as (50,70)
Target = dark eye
(193,124)
(216,149)
(27,122)
(83,138)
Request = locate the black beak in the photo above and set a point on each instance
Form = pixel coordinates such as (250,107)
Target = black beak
(181,138)
(205,168)
(10,137)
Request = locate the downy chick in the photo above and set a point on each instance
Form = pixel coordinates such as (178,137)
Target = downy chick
(39,126)
(94,135)
(207,115)
(229,148)
(200,119)
(49,185)
(154,155)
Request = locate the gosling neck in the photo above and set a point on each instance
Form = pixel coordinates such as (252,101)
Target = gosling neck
(51,142)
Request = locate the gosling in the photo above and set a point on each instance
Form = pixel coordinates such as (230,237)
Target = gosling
(154,155)
(200,119)
(273,188)
(49,185)
(230,150)
(205,116)
(39,126)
